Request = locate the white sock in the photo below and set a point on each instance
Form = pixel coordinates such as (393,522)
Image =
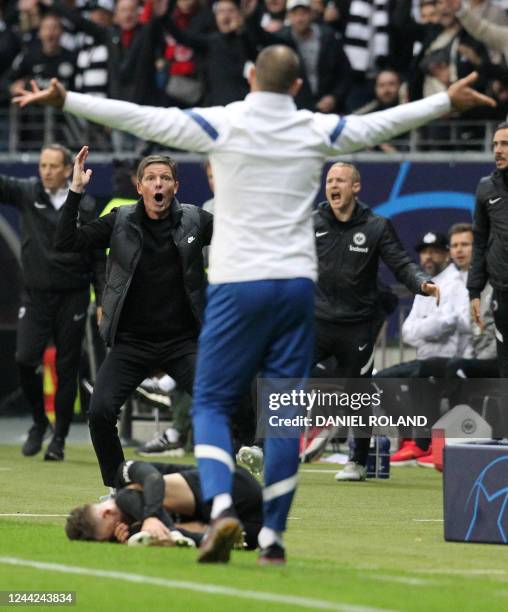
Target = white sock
(220,503)
(172,435)
(268,536)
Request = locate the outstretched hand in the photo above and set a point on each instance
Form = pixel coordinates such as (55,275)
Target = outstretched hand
(463,96)
(53,95)
(80,176)
(433,290)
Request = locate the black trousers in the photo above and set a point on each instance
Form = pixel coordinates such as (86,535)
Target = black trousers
(352,345)
(500,307)
(128,363)
(46,315)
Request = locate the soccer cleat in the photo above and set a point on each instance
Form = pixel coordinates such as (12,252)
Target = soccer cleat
(274,554)
(252,458)
(427,461)
(33,443)
(55,450)
(313,444)
(182,541)
(408,453)
(161,447)
(176,539)
(220,538)
(352,472)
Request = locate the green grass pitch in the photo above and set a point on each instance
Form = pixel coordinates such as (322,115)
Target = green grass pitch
(356,547)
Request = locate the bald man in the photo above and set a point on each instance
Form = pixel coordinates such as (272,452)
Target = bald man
(266,158)
(351,240)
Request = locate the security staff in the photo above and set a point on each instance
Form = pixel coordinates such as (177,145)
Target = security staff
(490,253)
(154,293)
(350,241)
(55,295)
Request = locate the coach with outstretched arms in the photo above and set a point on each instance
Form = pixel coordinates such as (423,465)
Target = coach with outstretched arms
(490,246)
(266,158)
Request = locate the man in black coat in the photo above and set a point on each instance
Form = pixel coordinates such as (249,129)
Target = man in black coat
(350,241)
(490,254)
(154,294)
(325,68)
(55,295)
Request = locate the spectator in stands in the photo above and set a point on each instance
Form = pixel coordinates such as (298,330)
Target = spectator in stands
(170,73)
(324,65)
(109,46)
(274,15)
(43,59)
(10,45)
(55,296)
(152,308)
(366,43)
(387,94)
(226,53)
(439,61)
(492,31)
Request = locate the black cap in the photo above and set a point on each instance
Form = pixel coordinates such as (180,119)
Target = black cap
(432,239)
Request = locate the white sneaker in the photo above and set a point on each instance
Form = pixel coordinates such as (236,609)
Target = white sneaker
(182,541)
(353,472)
(252,458)
(143,538)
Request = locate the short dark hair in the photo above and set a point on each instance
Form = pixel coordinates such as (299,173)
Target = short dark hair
(80,524)
(502,126)
(66,154)
(157,159)
(459,228)
(355,173)
(277,68)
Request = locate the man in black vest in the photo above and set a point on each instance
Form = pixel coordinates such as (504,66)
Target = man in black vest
(56,292)
(154,294)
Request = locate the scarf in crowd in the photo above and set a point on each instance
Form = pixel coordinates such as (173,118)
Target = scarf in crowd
(366,36)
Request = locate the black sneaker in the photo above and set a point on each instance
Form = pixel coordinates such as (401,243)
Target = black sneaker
(161,447)
(274,554)
(220,538)
(55,450)
(33,443)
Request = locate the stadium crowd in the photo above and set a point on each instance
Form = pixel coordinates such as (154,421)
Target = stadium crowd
(357,55)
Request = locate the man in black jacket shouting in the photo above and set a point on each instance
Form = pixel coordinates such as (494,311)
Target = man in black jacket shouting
(350,241)
(490,250)
(154,294)
(55,295)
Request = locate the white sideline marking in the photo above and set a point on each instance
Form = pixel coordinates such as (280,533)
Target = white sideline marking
(311,471)
(463,572)
(36,515)
(428,520)
(187,585)
(423,582)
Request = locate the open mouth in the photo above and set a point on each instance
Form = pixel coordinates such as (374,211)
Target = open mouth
(158,197)
(335,196)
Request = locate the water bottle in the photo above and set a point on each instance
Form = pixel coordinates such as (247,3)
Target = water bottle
(378,461)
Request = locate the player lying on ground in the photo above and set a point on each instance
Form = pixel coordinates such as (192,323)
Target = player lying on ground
(162,502)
